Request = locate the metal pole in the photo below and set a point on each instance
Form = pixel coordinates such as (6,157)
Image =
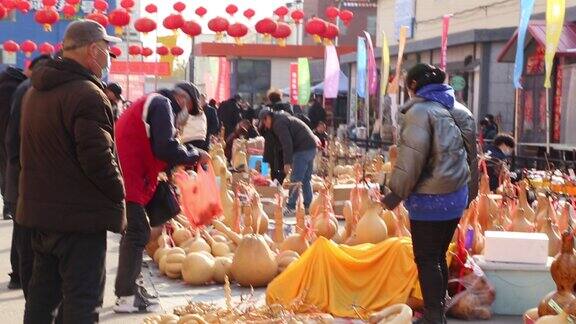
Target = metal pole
(191,61)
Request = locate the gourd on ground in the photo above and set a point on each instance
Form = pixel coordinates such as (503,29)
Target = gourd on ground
(370,228)
(197,268)
(222,267)
(395,314)
(254,263)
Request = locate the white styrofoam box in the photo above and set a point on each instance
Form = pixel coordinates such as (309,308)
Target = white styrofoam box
(516,247)
(519,286)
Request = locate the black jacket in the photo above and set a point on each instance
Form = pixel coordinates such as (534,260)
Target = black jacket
(494,165)
(70,179)
(212,121)
(282,106)
(229,116)
(10,78)
(13,143)
(294,135)
(316,114)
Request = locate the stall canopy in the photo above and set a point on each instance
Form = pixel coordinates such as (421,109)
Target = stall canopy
(537,32)
(342,85)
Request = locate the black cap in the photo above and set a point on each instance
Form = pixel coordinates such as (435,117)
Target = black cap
(116,89)
(190,89)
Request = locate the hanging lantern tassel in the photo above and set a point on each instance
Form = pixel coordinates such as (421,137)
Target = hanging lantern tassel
(317,39)
(47,27)
(281,42)
(219,36)
(118,30)
(327,41)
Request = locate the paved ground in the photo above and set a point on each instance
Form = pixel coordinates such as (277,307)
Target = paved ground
(172,293)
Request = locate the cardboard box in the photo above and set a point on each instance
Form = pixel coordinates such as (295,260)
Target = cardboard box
(516,247)
(342,191)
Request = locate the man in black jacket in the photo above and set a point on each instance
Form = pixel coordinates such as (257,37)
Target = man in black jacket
(212,122)
(316,113)
(21,236)
(229,114)
(498,152)
(299,150)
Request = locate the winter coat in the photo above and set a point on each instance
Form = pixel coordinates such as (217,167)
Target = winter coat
(316,114)
(147,144)
(293,134)
(229,115)
(432,151)
(70,180)
(212,121)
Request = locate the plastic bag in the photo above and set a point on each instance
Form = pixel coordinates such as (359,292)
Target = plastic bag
(199,196)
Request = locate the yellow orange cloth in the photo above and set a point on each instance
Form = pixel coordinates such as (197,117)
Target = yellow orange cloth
(344,280)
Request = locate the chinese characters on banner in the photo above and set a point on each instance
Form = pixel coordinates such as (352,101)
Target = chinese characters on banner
(223,88)
(294,83)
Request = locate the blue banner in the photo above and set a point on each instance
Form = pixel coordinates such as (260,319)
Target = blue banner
(526,7)
(361,68)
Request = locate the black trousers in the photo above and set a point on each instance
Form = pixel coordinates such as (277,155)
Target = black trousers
(430,242)
(22,245)
(68,273)
(202,144)
(131,247)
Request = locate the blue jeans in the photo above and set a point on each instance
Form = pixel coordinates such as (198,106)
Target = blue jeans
(302,167)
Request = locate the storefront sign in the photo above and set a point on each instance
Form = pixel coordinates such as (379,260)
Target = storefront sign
(294,83)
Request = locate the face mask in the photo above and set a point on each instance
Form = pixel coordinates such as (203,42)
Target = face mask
(106,69)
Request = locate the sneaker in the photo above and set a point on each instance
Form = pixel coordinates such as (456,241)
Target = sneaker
(152,299)
(289,212)
(134,304)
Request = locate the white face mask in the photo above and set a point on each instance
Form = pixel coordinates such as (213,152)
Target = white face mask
(104,71)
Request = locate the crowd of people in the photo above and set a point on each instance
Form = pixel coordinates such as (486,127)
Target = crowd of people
(80,160)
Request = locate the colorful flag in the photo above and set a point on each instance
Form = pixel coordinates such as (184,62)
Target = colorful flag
(372,74)
(331,72)
(444,43)
(394,88)
(303,81)
(526,7)
(385,67)
(555,10)
(361,68)
(223,88)
(293,83)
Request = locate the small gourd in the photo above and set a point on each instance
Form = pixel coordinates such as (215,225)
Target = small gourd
(197,268)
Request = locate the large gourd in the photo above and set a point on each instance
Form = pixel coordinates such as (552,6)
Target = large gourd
(254,263)
(196,244)
(180,234)
(370,228)
(520,223)
(523,201)
(324,221)
(395,314)
(222,266)
(563,270)
(391,221)
(197,268)
(174,260)
(225,197)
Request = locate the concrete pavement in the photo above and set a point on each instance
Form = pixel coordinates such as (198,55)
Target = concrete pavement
(172,292)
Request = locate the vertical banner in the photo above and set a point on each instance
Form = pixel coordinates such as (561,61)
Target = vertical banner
(557,104)
(223,87)
(303,81)
(555,10)
(444,44)
(394,88)
(331,72)
(385,65)
(526,7)
(294,83)
(361,68)
(372,73)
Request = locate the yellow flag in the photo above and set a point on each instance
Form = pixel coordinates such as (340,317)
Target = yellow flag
(394,87)
(385,69)
(555,10)
(168,41)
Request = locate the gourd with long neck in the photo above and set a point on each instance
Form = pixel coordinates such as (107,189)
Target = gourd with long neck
(541,211)
(323,220)
(278,235)
(226,198)
(236,215)
(479,239)
(565,218)
(486,205)
(259,213)
(520,223)
(554,240)
(563,270)
(523,201)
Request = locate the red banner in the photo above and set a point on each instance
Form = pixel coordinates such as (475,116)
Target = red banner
(140,68)
(557,108)
(223,88)
(294,83)
(133,88)
(444,43)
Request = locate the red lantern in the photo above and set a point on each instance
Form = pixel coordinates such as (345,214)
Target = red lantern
(11,46)
(69,10)
(146,51)
(46,48)
(176,51)
(9,4)
(282,32)
(116,51)
(281,12)
(127,4)
(73,2)
(191,28)
(162,50)
(219,25)
(134,50)
(47,17)
(49,3)
(297,16)
(332,13)
(28,47)
(24,6)
(231,9)
(332,31)
(101,5)
(316,27)
(99,18)
(145,25)
(201,11)
(119,18)
(173,22)
(3,11)
(151,8)
(179,6)
(237,30)
(346,16)
(266,26)
(249,13)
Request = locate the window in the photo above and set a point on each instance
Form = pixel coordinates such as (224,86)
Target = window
(253,79)
(371,25)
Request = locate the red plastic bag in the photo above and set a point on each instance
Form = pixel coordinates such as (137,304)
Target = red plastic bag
(199,196)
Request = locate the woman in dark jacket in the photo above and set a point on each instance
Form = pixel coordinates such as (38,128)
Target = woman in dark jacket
(432,175)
